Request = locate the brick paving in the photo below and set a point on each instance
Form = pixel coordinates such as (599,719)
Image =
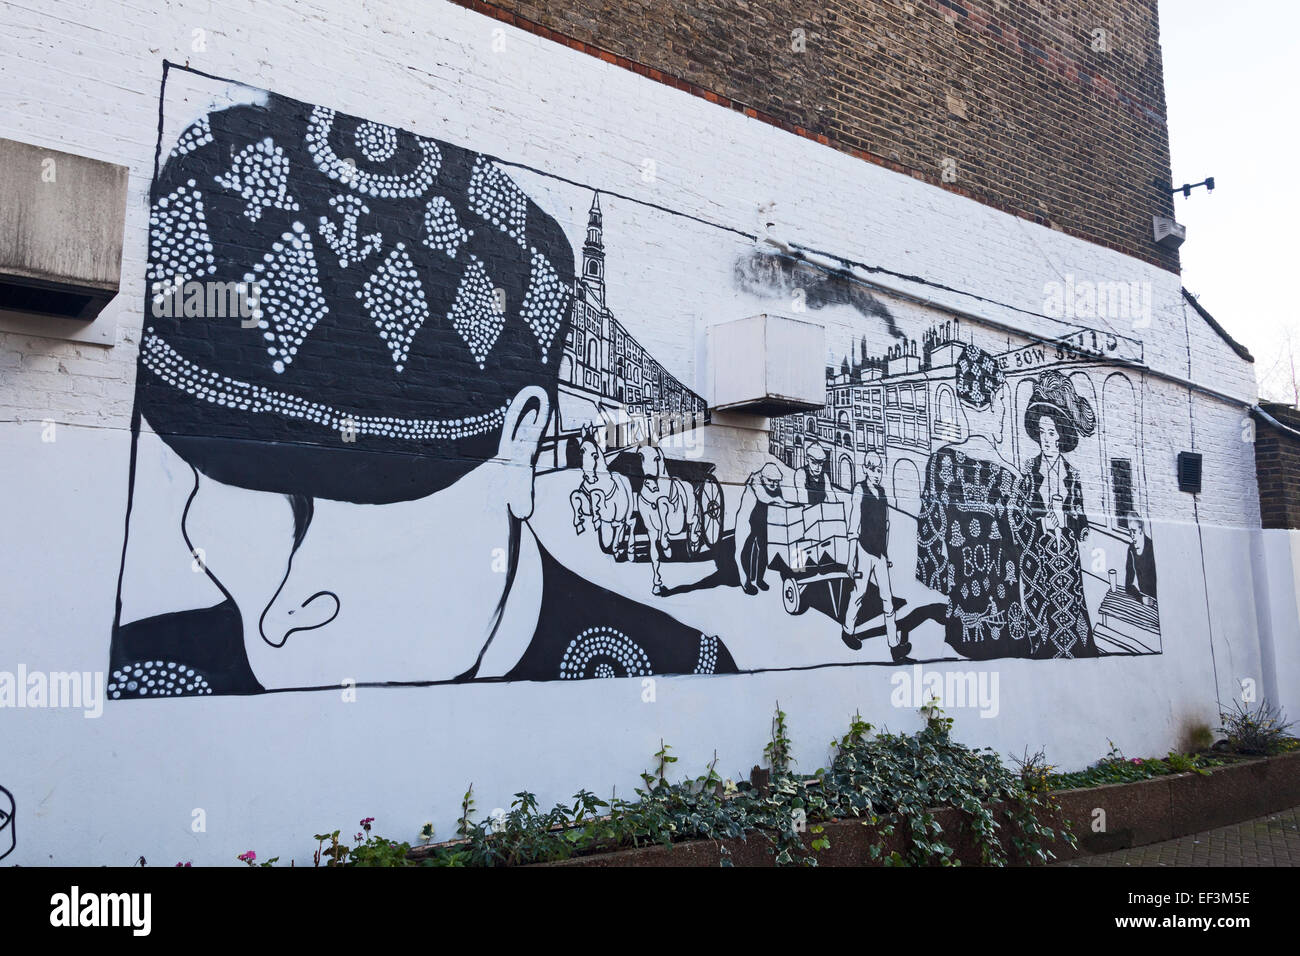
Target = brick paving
(1273,840)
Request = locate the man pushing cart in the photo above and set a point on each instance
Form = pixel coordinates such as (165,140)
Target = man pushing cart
(823,554)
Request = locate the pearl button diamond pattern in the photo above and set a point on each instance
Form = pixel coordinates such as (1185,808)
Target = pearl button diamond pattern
(288,294)
(196,135)
(495,197)
(475,313)
(544,303)
(180,248)
(394,299)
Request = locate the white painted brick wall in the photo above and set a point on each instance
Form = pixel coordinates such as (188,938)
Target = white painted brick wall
(84,77)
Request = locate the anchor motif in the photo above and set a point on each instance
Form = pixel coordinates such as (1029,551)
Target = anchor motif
(344,241)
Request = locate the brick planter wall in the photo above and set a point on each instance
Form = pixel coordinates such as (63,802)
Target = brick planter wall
(1136,814)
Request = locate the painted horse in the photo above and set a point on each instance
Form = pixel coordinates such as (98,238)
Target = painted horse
(668,508)
(605,498)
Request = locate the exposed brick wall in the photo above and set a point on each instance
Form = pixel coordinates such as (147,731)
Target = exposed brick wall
(1277,465)
(1034,120)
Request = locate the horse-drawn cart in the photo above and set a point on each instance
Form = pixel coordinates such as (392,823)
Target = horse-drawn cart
(697,538)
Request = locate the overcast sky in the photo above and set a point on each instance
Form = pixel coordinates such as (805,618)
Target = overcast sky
(1230,68)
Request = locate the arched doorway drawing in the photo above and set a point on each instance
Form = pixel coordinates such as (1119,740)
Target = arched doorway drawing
(845,472)
(1089,457)
(945,406)
(907,485)
(1123,465)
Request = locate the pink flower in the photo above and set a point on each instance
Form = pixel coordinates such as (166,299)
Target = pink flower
(1137,759)
(248,857)
(186,863)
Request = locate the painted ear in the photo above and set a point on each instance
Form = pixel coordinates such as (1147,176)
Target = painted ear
(525,424)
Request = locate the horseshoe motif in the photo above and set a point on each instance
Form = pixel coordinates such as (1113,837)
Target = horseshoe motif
(379,185)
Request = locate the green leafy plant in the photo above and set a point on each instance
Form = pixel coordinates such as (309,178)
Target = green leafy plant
(466,811)
(1117,768)
(660,776)
(370,849)
(897,780)
(777,751)
(857,733)
(894,782)
(1184,763)
(336,855)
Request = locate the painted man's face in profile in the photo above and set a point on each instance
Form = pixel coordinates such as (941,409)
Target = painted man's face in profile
(400,592)
(372,593)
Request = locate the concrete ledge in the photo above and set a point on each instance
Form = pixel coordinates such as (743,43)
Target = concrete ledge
(61,218)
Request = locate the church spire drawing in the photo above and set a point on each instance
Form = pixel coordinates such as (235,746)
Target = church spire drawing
(593,252)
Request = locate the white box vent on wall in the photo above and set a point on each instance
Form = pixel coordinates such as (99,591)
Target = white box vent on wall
(767,365)
(62,218)
(1168,233)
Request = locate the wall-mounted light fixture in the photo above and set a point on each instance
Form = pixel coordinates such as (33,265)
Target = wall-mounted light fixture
(1186,188)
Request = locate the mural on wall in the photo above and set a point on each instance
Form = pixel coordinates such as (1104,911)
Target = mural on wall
(983,451)
(429,451)
(1052,523)
(409,330)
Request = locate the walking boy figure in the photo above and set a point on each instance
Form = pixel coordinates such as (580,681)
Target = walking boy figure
(869,544)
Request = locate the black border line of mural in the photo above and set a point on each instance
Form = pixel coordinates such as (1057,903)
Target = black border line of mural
(798,257)
(11,821)
(740,672)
